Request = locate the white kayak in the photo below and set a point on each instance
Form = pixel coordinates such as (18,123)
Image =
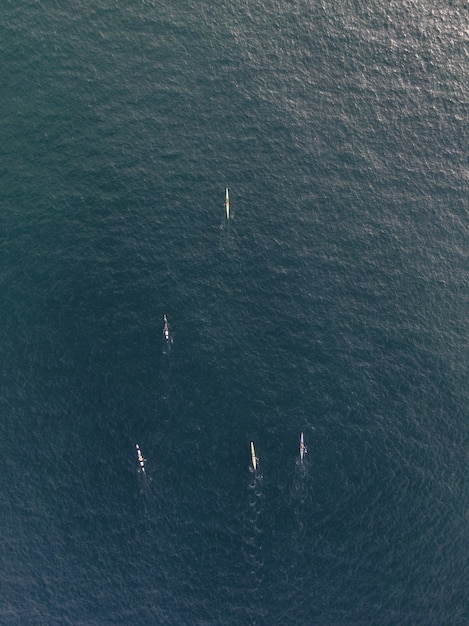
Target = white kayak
(253,457)
(165,328)
(303,449)
(227,203)
(140,458)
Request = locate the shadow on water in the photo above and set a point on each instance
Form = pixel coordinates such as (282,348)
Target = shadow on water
(167,383)
(145,497)
(254,527)
(228,238)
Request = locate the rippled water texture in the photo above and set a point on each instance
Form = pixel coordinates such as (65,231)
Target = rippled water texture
(334,302)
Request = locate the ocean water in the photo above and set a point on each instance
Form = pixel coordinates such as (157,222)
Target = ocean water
(334,302)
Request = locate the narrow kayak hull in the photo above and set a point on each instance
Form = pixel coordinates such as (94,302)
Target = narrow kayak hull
(140,458)
(253,457)
(227,204)
(165,328)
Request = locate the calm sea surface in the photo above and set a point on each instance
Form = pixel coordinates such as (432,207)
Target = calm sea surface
(334,302)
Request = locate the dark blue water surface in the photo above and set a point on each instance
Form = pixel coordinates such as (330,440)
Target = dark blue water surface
(334,302)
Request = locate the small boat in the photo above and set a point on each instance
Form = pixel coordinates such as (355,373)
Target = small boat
(227,203)
(140,458)
(166,329)
(303,449)
(253,457)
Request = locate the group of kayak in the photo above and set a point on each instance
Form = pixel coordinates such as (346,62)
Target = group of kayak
(255,460)
(168,339)
(303,451)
